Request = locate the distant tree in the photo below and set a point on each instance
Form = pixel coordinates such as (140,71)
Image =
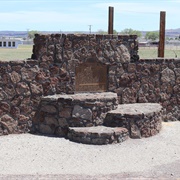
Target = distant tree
(115,32)
(152,35)
(167,38)
(100,31)
(78,32)
(130,31)
(32,33)
(177,38)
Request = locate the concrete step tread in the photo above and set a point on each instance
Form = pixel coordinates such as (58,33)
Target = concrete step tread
(136,109)
(99,129)
(98,135)
(82,96)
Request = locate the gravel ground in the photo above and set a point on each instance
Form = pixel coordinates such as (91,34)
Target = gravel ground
(28,156)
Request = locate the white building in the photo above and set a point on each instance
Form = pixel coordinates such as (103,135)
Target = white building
(9,42)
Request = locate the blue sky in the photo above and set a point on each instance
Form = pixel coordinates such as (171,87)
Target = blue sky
(76,15)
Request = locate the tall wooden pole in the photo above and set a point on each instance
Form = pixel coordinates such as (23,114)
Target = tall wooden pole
(162,34)
(111,17)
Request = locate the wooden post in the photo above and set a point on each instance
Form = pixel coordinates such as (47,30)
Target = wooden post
(111,17)
(162,34)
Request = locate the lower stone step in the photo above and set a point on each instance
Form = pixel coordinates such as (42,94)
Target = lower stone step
(141,119)
(97,135)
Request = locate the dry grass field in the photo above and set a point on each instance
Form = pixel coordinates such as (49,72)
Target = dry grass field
(22,52)
(151,52)
(25,51)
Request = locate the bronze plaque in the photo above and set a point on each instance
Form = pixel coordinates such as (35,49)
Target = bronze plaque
(91,77)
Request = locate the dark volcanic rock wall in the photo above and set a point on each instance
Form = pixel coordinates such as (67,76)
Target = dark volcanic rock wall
(61,48)
(153,81)
(22,83)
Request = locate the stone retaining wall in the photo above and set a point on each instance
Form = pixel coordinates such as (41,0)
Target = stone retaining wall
(151,81)
(146,80)
(20,93)
(22,83)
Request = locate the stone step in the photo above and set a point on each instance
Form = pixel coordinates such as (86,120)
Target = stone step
(57,112)
(97,135)
(141,119)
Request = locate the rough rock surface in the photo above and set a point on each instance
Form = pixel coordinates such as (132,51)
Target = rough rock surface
(97,135)
(53,71)
(142,120)
(8,125)
(58,112)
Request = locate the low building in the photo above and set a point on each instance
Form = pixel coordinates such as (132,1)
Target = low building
(9,42)
(143,44)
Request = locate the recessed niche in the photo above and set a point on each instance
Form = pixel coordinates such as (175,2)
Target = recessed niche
(91,77)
